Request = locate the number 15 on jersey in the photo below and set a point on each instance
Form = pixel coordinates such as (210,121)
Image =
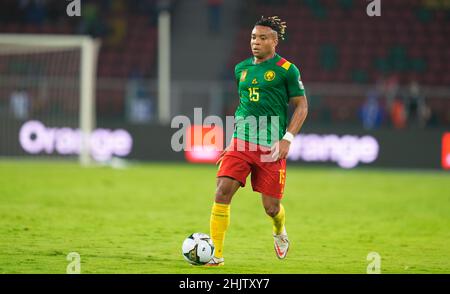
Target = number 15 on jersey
(253,94)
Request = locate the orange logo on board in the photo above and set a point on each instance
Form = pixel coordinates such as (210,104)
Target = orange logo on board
(446,151)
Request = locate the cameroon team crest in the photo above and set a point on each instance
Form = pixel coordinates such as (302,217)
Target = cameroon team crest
(269,75)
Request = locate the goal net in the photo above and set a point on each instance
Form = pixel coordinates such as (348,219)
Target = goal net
(47,95)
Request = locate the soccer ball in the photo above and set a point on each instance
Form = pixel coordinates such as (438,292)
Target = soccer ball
(198,249)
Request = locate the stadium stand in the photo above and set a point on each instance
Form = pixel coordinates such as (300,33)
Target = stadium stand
(406,42)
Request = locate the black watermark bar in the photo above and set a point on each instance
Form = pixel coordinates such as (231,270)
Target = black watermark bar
(230,283)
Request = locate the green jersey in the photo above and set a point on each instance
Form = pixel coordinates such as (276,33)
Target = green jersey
(264,90)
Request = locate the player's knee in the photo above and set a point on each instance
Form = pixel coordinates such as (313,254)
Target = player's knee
(272,210)
(223,194)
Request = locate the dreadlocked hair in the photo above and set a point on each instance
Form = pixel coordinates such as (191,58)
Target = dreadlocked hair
(275,23)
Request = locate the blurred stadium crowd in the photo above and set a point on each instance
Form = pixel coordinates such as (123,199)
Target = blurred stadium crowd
(391,71)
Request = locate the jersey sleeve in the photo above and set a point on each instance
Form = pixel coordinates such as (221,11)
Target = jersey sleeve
(294,82)
(237,74)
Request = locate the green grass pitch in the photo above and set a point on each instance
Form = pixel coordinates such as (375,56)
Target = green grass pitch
(134,220)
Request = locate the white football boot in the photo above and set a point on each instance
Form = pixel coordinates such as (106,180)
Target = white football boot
(281,244)
(215,261)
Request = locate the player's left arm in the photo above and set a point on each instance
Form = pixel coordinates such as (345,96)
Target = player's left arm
(298,118)
(296,92)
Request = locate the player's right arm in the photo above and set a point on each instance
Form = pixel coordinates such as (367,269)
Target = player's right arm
(237,77)
(237,74)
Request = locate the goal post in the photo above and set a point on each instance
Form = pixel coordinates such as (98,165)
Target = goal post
(40,49)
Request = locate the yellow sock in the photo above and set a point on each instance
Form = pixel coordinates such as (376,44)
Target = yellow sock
(219,222)
(279,221)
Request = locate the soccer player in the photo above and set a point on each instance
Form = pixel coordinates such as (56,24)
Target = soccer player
(267,83)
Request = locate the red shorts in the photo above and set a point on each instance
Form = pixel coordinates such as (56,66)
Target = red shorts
(267,177)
